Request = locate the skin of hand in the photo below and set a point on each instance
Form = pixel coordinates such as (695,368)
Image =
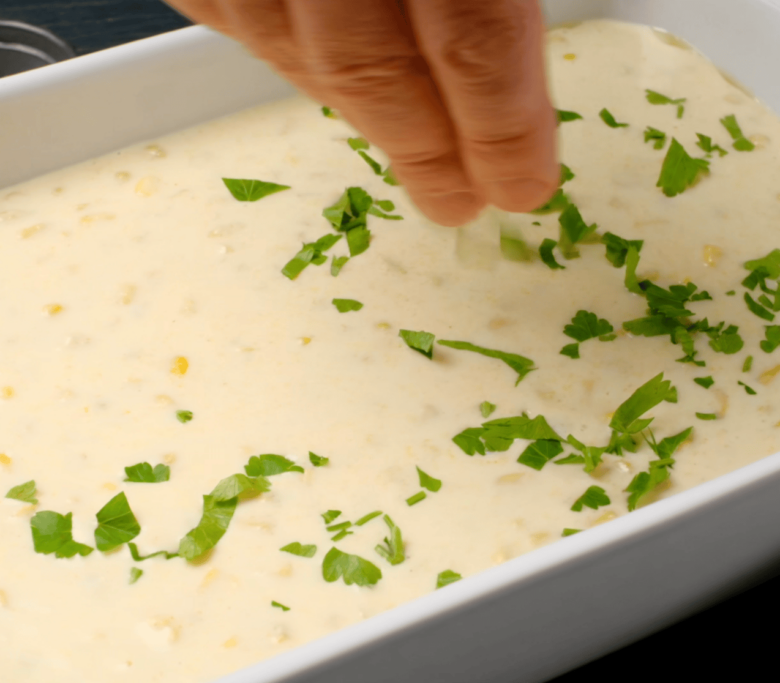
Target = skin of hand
(454,91)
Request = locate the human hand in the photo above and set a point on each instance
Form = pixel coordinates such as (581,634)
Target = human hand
(453,91)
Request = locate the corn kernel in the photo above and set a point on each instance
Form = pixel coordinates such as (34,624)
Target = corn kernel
(156,151)
(230,642)
(510,478)
(52,309)
(5,460)
(305,341)
(383,326)
(211,575)
(711,255)
(169,458)
(147,186)
(570,56)
(108,486)
(180,366)
(26,233)
(122,176)
(768,375)
(759,140)
(96,217)
(58,190)
(285,571)
(7,392)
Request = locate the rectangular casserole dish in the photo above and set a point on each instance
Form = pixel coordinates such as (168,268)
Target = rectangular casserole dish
(541,614)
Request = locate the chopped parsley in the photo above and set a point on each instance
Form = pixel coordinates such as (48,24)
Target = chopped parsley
(644,482)
(657,98)
(447,577)
(269,465)
(658,137)
(337,263)
(238,485)
(376,167)
(747,364)
(617,248)
(607,118)
(389,177)
(570,532)
(428,482)
(137,557)
(346,305)
(393,548)
(143,473)
(311,252)
(558,202)
(486,408)
(725,340)
(707,416)
(53,533)
(365,519)
(520,364)
(631,280)
(741,143)
(358,143)
(416,498)
(590,456)
(135,574)
(251,190)
(318,460)
(667,447)
(300,550)
(183,416)
(422,342)
(562,116)
(330,515)
(214,522)
(538,453)
(338,527)
(705,382)
(516,249)
(757,309)
(341,534)
(626,419)
(279,605)
(116,524)
(705,143)
(748,390)
(351,568)
(772,341)
(566,174)
(594,498)
(679,170)
(547,256)
(24,492)
(498,435)
(584,326)
(329,113)
(573,230)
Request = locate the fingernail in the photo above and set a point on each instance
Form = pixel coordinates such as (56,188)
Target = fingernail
(521,195)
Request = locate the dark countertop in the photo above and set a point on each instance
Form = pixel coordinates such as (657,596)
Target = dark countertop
(730,636)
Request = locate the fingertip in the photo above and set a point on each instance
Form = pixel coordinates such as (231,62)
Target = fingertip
(452,209)
(520,195)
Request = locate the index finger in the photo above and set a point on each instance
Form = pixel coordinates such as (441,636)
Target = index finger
(487,59)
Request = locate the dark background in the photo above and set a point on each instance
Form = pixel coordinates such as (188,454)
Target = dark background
(737,634)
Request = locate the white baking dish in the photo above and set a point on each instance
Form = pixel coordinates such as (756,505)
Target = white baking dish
(538,615)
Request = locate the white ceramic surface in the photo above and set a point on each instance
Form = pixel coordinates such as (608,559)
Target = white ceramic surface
(543,613)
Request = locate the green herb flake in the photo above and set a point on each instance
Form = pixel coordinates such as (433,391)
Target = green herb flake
(644,482)
(358,143)
(279,605)
(586,325)
(330,515)
(183,416)
(328,113)
(519,427)
(547,256)
(346,305)
(337,264)
(594,498)
(469,441)
(566,174)
(731,292)
(351,568)
(772,341)
(239,484)
(657,98)
(521,365)
(393,548)
(24,492)
(748,364)
(650,394)
(748,390)
(143,473)
(617,248)
(607,118)
(299,549)
(486,408)
(705,382)
(570,532)
(571,350)
(137,557)
(338,527)
(214,522)
(428,482)
(707,416)
(135,574)
(447,577)
(318,460)
(758,309)
(679,170)
(376,167)
(573,230)
(341,534)
(116,524)
(365,519)
(422,342)
(563,116)
(416,498)
(558,202)
(53,533)
(705,144)
(252,190)
(538,453)
(311,252)
(658,137)
(389,177)
(741,143)
(269,464)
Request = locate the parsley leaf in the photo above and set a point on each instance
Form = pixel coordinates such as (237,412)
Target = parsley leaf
(725,341)
(571,350)
(311,252)
(650,394)
(296,548)
(644,482)
(469,441)
(422,342)
(358,240)
(538,453)
(657,136)
(558,202)
(748,390)
(770,262)
(657,98)
(705,382)
(282,607)
(607,118)
(487,408)
(116,524)
(594,498)
(213,524)
(631,280)
(330,515)
(142,473)
(521,365)
(137,557)
(337,264)
(24,492)
(570,532)
(520,427)
(393,548)
(547,256)
(758,309)
(705,143)
(448,576)
(365,519)
(329,113)
(269,464)
(358,143)
(352,568)
(573,230)
(52,533)
(747,364)
(389,177)
(617,248)
(428,482)
(772,341)
(416,498)
(590,458)
(679,170)
(741,143)
(566,174)
(562,116)
(318,460)
(586,325)
(376,167)
(251,190)
(666,447)
(135,574)
(183,416)
(516,249)
(238,484)
(707,416)
(346,305)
